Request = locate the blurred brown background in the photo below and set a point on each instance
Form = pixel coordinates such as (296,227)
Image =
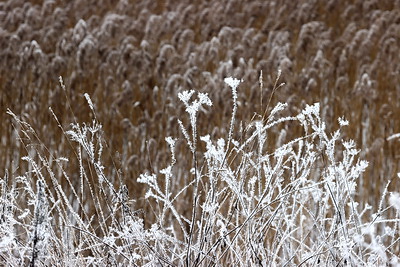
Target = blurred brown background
(133,57)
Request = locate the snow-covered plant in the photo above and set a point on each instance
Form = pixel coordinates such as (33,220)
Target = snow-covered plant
(253,197)
(256,203)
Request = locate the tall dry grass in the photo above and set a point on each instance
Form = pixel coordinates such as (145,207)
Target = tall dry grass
(240,200)
(134,57)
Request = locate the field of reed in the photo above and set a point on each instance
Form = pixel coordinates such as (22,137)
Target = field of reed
(109,158)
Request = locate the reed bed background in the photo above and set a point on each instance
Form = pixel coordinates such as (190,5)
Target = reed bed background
(133,58)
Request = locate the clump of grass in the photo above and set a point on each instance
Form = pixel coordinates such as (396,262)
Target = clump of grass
(238,199)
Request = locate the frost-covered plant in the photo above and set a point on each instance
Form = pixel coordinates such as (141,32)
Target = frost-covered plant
(257,203)
(251,198)
(74,220)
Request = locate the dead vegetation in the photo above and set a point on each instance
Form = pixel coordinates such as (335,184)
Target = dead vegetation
(134,57)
